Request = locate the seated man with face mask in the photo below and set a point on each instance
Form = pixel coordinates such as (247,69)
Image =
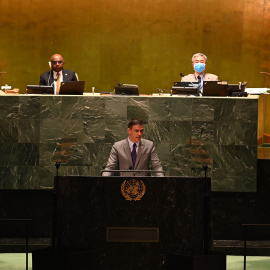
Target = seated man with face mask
(199,63)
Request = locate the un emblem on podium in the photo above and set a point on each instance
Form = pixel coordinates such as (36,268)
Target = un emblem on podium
(133,190)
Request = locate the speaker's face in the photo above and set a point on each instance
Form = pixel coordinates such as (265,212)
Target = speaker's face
(135,133)
(57,62)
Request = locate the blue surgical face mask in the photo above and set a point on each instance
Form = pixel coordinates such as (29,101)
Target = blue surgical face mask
(199,67)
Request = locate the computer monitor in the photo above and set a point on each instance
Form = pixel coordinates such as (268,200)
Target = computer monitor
(39,89)
(186,84)
(186,91)
(215,88)
(185,88)
(72,88)
(131,90)
(235,90)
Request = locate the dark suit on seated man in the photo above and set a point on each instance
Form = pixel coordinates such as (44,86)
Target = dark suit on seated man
(199,64)
(57,74)
(134,153)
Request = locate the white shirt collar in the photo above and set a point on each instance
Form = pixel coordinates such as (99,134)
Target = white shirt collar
(55,74)
(131,144)
(202,77)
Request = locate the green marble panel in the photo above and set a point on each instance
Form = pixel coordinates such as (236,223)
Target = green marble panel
(115,130)
(9,154)
(203,109)
(94,108)
(246,110)
(138,108)
(224,132)
(159,109)
(9,130)
(96,155)
(74,128)
(9,176)
(28,130)
(28,154)
(50,130)
(116,108)
(9,107)
(46,151)
(29,107)
(180,132)
(72,107)
(224,109)
(158,131)
(94,129)
(203,131)
(187,131)
(181,109)
(51,107)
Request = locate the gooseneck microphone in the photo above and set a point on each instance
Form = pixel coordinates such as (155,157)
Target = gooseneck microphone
(50,74)
(182,75)
(193,85)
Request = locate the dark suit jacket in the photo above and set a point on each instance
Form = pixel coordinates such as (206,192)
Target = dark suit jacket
(120,157)
(46,78)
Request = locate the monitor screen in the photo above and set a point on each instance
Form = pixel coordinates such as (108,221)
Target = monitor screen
(39,89)
(186,84)
(236,89)
(215,88)
(187,91)
(72,88)
(185,88)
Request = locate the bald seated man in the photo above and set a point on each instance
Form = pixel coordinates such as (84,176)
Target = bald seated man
(57,67)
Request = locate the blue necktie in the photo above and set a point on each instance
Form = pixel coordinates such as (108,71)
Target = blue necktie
(134,154)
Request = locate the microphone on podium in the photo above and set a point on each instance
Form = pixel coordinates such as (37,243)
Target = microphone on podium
(130,168)
(182,75)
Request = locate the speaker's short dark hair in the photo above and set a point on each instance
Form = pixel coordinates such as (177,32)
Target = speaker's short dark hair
(134,122)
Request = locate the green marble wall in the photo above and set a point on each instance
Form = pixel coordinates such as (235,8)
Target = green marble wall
(219,132)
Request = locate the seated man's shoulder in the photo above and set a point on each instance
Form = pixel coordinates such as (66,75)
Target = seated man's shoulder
(210,77)
(188,78)
(45,73)
(68,71)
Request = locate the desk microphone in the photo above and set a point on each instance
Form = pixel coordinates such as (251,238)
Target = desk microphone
(182,75)
(130,167)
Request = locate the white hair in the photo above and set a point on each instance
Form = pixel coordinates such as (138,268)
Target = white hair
(199,54)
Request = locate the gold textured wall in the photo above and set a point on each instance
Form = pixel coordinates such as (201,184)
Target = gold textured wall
(144,42)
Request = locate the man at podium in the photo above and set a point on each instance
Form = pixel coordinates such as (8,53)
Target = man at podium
(199,64)
(57,74)
(134,153)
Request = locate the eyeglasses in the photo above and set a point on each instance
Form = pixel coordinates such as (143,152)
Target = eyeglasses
(57,62)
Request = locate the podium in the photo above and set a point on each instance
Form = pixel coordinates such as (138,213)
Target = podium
(98,216)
